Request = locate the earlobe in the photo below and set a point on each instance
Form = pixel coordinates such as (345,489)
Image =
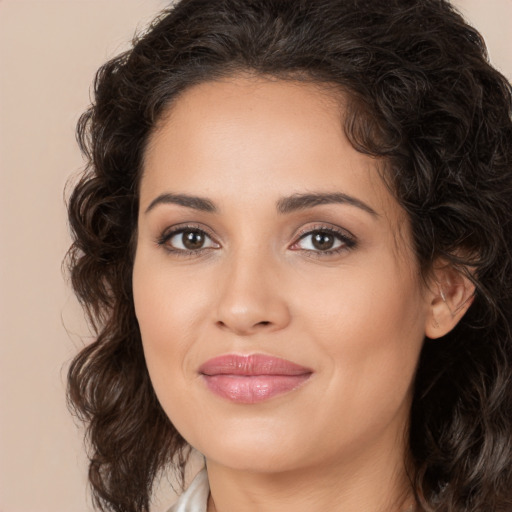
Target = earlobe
(450,296)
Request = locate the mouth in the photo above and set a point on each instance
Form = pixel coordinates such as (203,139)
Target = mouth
(252,378)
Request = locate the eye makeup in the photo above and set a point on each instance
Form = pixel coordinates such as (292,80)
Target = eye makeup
(319,240)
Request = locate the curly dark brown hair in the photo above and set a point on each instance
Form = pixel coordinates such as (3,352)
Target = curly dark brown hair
(424,97)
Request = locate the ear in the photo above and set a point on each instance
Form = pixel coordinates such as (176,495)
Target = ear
(451,292)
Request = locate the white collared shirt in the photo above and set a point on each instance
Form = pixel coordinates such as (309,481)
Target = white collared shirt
(195,498)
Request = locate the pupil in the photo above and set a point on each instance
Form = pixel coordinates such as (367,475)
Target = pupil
(193,239)
(323,241)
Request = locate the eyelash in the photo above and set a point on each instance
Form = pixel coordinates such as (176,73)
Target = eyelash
(167,235)
(348,240)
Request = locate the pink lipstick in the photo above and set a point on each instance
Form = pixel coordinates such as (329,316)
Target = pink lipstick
(252,378)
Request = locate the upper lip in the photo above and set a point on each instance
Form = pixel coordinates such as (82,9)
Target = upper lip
(251,365)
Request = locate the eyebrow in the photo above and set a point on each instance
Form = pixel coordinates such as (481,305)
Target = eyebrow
(303,201)
(197,203)
(284,205)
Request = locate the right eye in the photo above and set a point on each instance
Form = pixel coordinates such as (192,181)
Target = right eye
(187,240)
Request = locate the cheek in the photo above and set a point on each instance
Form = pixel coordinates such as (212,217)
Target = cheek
(369,325)
(169,308)
(377,302)
(169,302)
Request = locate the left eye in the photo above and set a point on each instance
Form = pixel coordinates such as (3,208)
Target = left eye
(322,241)
(189,240)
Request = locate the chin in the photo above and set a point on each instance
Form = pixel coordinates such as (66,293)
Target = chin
(254,450)
(253,460)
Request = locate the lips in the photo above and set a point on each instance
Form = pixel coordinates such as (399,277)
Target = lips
(252,378)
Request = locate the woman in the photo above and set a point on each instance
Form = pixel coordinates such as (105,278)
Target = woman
(294,240)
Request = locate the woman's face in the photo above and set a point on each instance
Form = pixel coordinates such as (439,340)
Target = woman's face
(279,301)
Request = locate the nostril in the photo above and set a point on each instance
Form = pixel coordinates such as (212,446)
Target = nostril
(265,322)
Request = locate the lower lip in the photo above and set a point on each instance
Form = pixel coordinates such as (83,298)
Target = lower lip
(251,389)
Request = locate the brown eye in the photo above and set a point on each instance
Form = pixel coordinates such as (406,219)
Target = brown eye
(322,241)
(326,241)
(192,239)
(188,240)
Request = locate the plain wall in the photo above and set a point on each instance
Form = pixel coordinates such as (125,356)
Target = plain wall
(49,51)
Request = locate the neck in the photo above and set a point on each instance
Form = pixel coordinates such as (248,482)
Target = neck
(378,484)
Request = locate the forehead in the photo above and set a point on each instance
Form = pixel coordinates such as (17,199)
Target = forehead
(249,112)
(250,139)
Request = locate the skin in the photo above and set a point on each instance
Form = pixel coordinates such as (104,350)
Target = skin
(357,317)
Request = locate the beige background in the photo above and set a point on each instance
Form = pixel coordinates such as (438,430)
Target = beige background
(49,51)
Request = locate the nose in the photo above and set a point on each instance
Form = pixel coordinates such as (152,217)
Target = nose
(251,297)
